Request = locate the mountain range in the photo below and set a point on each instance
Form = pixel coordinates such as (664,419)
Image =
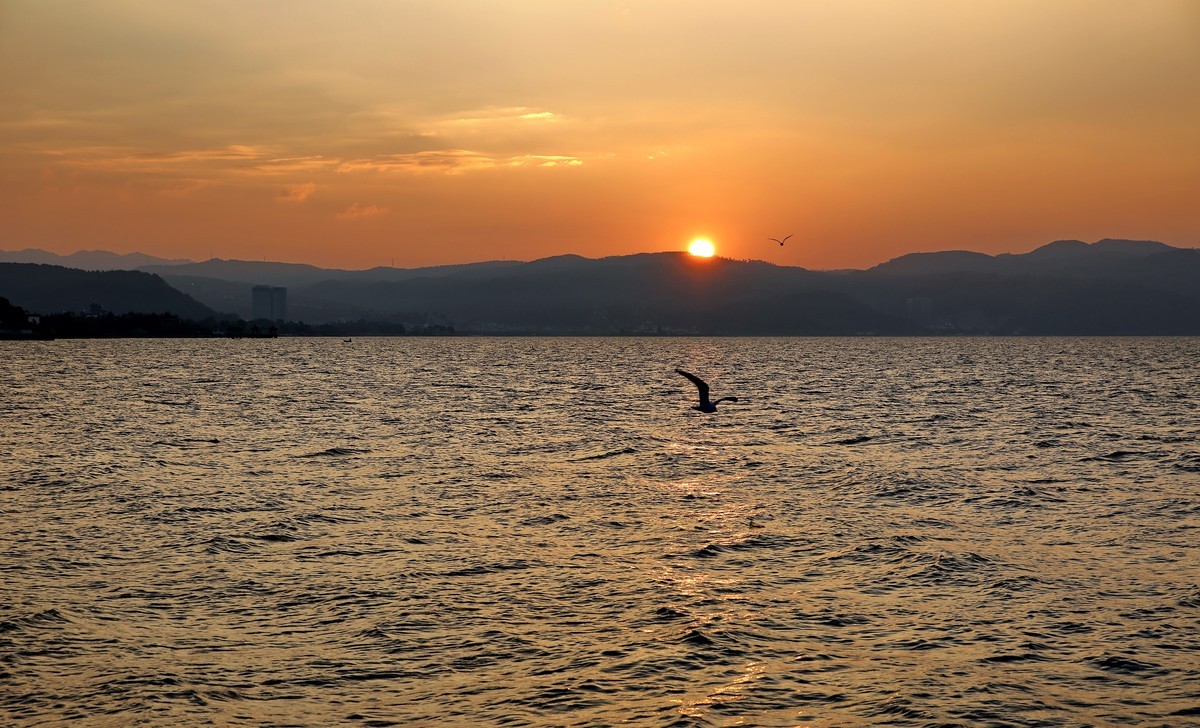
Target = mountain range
(47,289)
(88,259)
(1064,287)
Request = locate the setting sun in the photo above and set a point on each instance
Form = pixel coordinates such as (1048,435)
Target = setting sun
(702,248)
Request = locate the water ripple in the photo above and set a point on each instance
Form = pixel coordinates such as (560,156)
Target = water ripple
(883,532)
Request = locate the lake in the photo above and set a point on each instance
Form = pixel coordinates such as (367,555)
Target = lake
(541,532)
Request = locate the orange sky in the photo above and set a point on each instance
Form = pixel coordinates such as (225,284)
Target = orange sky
(358,132)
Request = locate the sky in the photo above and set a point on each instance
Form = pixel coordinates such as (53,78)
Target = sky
(356,133)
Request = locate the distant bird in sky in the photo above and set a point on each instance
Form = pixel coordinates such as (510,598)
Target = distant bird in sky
(781,242)
(705,405)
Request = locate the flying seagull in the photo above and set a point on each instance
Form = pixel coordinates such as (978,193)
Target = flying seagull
(781,242)
(705,405)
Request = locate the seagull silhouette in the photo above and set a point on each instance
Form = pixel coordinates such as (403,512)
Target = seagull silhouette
(705,405)
(781,242)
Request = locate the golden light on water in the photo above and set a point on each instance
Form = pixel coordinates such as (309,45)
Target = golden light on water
(702,248)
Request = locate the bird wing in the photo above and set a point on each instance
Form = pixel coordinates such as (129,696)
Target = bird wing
(781,242)
(700,384)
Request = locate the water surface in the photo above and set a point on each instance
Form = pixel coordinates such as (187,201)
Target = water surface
(916,532)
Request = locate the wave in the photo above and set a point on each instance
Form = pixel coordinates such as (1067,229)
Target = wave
(604,455)
(857,440)
(44,618)
(1120,456)
(334,452)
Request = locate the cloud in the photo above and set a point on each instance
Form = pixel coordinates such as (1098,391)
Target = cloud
(125,159)
(454,161)
(500,116)
(449,161)
(356,211)
(291,165)
(545,160)
(298,193)
(230,153)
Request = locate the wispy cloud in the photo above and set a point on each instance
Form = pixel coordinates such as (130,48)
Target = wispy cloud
(545,160)
(453,161)
(356,211)
(232,153)
(501,116)
(449,161)
(292,165)
(134,160)
(298,193)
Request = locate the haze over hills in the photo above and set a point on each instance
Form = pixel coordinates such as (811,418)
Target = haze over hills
(240,271)
(1065,287)
(1089,289)
(47,289)
(1061,257)
(88,259)
(295,274)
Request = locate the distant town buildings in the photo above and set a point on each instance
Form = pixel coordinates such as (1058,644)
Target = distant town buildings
(268,302)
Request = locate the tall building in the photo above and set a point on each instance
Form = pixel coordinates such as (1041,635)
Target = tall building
(268,302)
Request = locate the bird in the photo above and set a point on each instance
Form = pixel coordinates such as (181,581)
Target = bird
(705,405)
(781,242)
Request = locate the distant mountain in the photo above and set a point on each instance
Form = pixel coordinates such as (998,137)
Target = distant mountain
(295,274)
(992,303)
(1072,258)
(47,289)
(251,272)
(1134,248)
(1150,292)
(1064,287)
(645,293)
(1176,270)
(226,284)
(949,261)
(88,259)
(221,295)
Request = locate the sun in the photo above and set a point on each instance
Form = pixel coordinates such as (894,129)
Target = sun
(702,248)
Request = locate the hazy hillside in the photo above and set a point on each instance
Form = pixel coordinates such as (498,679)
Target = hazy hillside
(256,272)
(1175,270)
(1065,287)
(1153,293)
(647,292)
(1071,258)
(88,259)
(234,297)
(991,303)
(47,289)
(221,295)
(251,272)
